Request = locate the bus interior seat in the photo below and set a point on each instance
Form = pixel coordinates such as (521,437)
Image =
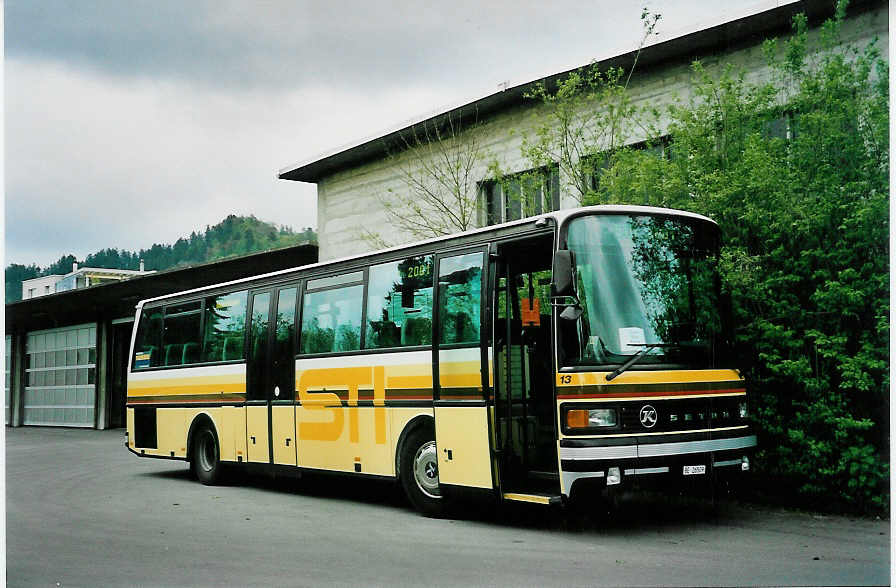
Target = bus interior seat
(173,353)
(152,351)
(232,349)
(190,353)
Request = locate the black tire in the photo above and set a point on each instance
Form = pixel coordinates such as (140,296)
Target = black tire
(205,458)
(419,472)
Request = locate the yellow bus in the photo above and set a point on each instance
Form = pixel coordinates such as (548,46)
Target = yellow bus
(559,356)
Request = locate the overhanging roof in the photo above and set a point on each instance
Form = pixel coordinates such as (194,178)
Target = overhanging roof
(766,19)
(118,299)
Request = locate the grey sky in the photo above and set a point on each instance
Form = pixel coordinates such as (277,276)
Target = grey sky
(134,122)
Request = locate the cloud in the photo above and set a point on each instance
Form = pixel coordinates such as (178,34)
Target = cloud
(98,161)
(129,123)
(291,44)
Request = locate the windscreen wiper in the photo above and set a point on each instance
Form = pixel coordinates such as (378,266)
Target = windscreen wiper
(647,348)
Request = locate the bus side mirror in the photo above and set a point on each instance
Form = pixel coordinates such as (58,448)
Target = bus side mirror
(562,282)
(563,285)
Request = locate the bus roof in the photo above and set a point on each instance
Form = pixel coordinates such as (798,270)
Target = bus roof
(559,216)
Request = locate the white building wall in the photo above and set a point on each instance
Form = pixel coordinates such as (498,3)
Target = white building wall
(39,286)
(349,202)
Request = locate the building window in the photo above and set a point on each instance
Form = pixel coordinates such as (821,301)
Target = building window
(521,195)
(781,127)
(594,166)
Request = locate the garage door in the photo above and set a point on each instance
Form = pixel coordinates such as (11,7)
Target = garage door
(8,373)
(61,377)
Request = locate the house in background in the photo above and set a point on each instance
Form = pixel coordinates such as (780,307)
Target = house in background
(66,354)
(354,182)
(78,278)
(41,286)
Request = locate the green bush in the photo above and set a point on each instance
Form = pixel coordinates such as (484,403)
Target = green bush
(804,215)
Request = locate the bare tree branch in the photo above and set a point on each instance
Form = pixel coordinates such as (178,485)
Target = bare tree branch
(437,161)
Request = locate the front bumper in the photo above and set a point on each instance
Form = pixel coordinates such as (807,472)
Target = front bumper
(644,457)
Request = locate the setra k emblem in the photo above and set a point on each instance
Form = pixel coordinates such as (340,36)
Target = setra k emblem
(648,416)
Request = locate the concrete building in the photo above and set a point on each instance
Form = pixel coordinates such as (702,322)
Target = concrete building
(354,182)
(66,353)
(83,277)
(41,286)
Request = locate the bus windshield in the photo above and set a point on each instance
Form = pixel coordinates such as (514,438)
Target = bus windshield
(647,285)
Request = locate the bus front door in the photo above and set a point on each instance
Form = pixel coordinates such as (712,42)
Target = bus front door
(524,415)
(460,373)
(270,378)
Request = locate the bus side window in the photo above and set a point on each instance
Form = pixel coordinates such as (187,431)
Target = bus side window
(181,335)
(399,304)
(331,320)
(225,327)
(147,346)
(460,294)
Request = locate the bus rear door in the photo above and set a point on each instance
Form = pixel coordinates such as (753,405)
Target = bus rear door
(270,377)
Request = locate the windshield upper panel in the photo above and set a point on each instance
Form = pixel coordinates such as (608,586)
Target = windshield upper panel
(644,281)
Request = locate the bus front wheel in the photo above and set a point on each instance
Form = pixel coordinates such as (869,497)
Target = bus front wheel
(206,458)
(419,472)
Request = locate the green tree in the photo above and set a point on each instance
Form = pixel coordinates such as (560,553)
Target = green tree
(438,162)
(61,266)
(795,170)
(233,236)
(583,121)
(15,274)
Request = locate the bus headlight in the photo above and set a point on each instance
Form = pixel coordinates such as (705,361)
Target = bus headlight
(591,418)
(742,410)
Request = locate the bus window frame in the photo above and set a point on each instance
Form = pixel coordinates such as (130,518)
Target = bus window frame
(562,244)
(399,348)
(164,306)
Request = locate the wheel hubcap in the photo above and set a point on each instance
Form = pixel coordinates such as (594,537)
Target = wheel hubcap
(426,470)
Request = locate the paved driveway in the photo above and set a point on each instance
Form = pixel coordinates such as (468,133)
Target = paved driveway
(82,511)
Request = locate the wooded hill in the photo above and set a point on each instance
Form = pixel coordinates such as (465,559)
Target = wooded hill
(235,235)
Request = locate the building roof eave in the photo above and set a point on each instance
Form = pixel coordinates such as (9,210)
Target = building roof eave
(764,19)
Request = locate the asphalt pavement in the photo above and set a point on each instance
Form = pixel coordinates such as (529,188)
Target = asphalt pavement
(83,511)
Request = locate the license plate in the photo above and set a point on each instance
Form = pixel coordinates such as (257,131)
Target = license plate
(694,470)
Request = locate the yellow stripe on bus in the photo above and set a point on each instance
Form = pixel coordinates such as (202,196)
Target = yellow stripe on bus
(189,385)
(527,498)
(646,377)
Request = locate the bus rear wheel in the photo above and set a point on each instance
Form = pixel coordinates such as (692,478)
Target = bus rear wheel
(206,458)
(419,472)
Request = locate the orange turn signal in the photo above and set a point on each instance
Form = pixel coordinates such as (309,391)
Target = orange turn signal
(577,419)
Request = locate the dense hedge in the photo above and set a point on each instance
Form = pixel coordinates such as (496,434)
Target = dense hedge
(795,169)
